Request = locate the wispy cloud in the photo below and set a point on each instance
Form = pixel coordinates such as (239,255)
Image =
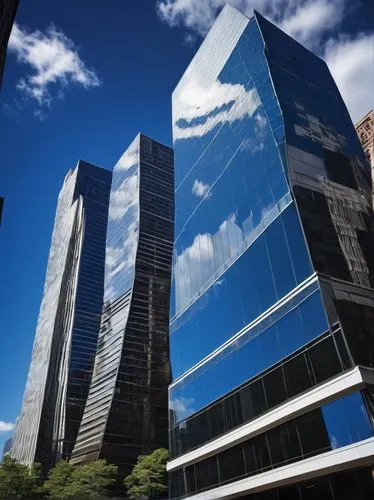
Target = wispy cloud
(312,19)
(315,23)
(351,62)
(299,17)
(200,189)
(6,426)
(53,61)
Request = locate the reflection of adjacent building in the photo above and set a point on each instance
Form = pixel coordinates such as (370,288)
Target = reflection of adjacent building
(8,9)
(272,315)
(126,410)
(69,320)
(365,131)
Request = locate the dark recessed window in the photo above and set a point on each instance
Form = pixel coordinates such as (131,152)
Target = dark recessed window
(275,389)
(312,433)
(297,375)
(206,473)
(231,464)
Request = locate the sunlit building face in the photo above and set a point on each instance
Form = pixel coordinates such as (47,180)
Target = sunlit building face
(272,270)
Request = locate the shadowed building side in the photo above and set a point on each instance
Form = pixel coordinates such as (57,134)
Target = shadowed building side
(126,410)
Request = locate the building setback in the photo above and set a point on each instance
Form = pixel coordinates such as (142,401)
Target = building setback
(271,333)
(126,411)
(69,321)
(365,131)
(8,9)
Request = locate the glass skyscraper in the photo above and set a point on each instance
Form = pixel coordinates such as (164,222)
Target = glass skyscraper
(69,321)
(127,409)
(272,308)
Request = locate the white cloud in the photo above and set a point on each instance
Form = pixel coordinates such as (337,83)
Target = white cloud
(130,158)
(311,22)
(223,103)
(313,18)
(182,406)
(6,426)
(124,197)
(200,189)
(301,18)
(351,62)
(53,59)
(197,263)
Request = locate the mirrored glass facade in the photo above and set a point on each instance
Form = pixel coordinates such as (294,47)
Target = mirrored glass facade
(69,321)
(272,290)
(126,412)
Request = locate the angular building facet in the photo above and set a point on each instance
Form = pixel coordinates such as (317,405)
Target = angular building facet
(272,306)
(126,411)
(69,321)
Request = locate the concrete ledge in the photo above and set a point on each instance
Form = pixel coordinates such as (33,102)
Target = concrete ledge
(355,455)
(351,380)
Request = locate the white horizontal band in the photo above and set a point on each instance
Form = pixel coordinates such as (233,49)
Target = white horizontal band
(355,378)
(353,455)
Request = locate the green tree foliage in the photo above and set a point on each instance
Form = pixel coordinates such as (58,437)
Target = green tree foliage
(59,479)
(66,481)
(18,481)
(92,480)
(148,477)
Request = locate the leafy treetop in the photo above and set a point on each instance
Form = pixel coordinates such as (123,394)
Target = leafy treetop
(148,478)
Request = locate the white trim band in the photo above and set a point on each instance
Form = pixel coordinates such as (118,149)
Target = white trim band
(354,455)
(353,379)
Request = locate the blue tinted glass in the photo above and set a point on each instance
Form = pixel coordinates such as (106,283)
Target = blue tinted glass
(252,284)
(262,346)
(347,420)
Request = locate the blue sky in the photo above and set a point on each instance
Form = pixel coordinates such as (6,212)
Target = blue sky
(82,79)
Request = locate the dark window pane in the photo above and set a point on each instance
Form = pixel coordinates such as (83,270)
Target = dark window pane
(324,359)
(253,401)
(289,493)
(312,433)
(275,389)
(233,412)
(284,444)
(256,455)
(342,349)
(297,375)
(176,486)
(357,322)
(231,464)
(206,473)
(216,421)
(316,490)
(190,479)
(355,485)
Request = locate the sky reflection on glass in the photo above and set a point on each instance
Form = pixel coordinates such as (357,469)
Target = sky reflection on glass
(122,236)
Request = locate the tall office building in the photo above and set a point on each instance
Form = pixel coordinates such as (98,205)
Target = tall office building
(69,321)
(127,409)
(272,344)
(365,131)
(8,9)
